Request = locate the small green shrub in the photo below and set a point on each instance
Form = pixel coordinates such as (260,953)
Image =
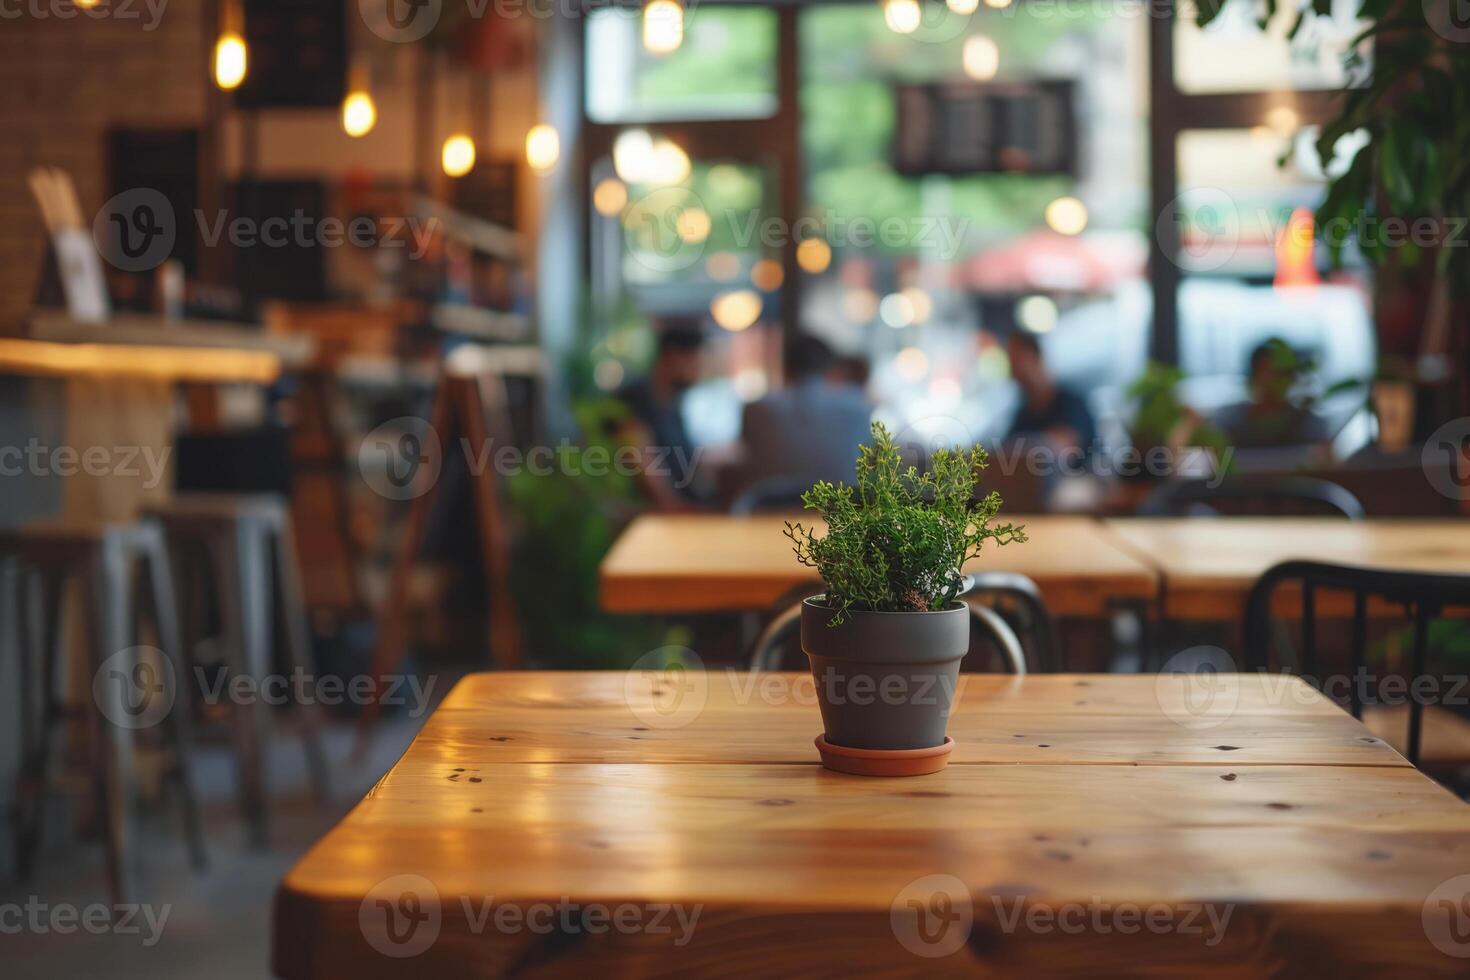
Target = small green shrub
(898,540)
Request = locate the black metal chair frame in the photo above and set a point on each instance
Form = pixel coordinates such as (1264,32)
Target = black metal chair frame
(1173,499)
(1423,595)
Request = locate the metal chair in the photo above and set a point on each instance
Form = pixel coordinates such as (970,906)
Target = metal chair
(765,652)
(1276,496)
(247,540)
(1423,595)
(40,561)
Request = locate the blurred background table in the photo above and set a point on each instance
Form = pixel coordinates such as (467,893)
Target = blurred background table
(718,563)
(1207,566)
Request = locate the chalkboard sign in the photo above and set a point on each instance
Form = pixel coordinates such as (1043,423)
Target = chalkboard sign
(298,54)
(967,128)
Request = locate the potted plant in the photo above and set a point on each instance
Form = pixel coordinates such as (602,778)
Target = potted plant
(886,639)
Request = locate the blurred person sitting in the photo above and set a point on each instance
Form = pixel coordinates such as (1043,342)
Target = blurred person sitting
(809,430)
(655,422)
(1270,418)
(1048,411)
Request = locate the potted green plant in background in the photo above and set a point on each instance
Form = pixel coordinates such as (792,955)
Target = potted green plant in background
(886,639)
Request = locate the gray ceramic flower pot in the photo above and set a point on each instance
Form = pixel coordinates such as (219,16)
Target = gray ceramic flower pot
(885,680)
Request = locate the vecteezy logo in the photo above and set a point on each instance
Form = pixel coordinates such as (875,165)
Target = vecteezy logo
(666,688)
(135,230)
(401,458)
(400,917)
(932,916)
(1446,459)
(1446,917)
(134,688)
(667,230)
(400,21)
(1198,688)
(1450,19)
(1206,224)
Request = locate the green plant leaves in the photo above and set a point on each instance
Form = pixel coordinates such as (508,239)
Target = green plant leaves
(897,541)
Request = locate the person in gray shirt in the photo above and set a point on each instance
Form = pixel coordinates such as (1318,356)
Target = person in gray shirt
(809,430)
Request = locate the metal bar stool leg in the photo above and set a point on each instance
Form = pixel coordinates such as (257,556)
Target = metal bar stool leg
(108,598)
(170,637)
(291,608)
(245,597)
(38,597)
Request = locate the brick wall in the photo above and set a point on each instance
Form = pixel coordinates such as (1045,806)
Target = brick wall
(63,84)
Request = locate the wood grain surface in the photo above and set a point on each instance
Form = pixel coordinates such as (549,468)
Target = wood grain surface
(709,563)
(1261,831)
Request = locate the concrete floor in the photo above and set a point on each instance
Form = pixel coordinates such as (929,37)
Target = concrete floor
(217,921)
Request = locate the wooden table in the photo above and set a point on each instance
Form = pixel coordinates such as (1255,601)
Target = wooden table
(112,399)
(1264,830)
(1208,565)
(718,563)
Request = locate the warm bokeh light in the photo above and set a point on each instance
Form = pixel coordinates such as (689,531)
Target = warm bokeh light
(860,305)
(86,4)
(766,275)
(963,7)
(981,58)
(1295,265)
(693,225)
(998,4)
(610,196)
(723,266)
(912,364)
(736,310)
(458,155)
(638,158)
(631,152)
(669,165)
(902,16)
(230,60)
(896,311)
(921,302)
(663,26)
(1037,314)
(1283,120)
(543,147)
(1066,216)
(814,256)
(359,114)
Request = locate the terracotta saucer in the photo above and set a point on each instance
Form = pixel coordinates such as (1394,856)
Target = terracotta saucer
(884,762)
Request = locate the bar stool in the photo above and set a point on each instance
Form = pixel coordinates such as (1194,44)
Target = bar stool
(128,693)
(248,543)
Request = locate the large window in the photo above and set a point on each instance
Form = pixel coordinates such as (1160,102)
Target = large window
(725,68)
(987,173)
(1233,54)
(926,273)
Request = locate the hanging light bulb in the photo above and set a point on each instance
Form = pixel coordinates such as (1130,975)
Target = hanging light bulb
(231,59)
(902,16)
(359,113)
(543,147)
(663,26)
(458,155)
